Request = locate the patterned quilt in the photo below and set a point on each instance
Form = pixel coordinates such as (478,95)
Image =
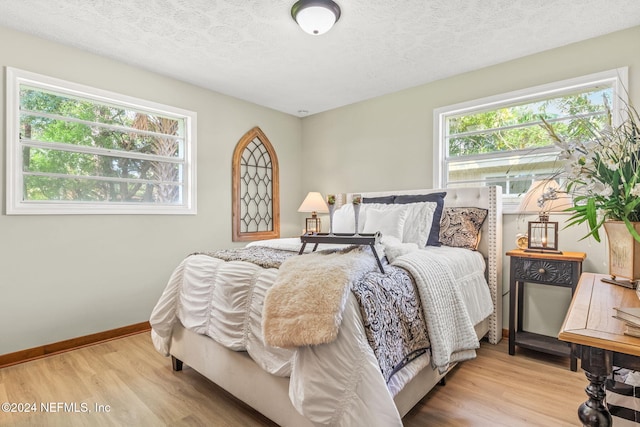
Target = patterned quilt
(393,318)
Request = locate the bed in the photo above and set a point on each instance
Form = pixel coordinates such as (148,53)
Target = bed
(340,381)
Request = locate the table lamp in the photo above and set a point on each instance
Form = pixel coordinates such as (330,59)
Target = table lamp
(314,203)
(544,197)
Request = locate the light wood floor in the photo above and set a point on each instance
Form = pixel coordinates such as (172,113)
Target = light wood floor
(140,388)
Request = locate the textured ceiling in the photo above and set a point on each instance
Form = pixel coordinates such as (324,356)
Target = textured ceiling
(253,50)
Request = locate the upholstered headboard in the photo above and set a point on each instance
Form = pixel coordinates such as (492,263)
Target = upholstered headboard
(489,198)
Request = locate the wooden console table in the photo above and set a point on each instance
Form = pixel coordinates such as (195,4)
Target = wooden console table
(601,342)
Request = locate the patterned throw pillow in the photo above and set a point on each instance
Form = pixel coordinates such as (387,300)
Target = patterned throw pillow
(460,227)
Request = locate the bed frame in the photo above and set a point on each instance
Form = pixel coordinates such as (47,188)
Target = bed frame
(268,394)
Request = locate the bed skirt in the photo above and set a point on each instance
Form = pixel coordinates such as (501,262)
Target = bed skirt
(239,375)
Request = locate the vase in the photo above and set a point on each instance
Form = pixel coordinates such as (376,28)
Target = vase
(624,251)
(332,209)
(356,211)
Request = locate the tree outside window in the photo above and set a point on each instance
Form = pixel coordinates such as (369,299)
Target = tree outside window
(501,141)
(79,151)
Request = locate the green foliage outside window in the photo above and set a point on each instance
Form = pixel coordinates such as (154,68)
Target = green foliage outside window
(80,150)
(519,127)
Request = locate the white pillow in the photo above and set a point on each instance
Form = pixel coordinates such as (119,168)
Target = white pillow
(418,222)
(389,223)
(344,219)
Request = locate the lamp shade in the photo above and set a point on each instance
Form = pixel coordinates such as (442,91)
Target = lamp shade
(314,202)
(533,200)
(315,17)
(544,197)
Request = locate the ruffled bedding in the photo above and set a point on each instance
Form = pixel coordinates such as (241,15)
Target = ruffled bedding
(339,383)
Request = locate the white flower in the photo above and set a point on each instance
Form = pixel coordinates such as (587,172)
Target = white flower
(610,164)
(602,157)
(603,190)
(548,194)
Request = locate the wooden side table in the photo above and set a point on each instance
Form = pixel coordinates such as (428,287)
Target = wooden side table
(562,270)
(600,340)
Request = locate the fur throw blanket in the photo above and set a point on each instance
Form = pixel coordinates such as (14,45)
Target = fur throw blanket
(305,304)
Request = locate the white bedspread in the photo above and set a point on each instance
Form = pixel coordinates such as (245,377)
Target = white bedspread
(338,383)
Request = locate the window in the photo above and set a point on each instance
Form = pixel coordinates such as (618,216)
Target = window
(256,192)
(499,140)
(73,149)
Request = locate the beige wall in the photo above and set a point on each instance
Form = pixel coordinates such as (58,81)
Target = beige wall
(72,275)
(387,143)
(68,276)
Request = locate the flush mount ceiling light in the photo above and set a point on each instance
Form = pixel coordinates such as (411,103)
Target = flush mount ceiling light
(315,16)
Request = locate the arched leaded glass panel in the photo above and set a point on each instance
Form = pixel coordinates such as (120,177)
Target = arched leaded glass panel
(255,180)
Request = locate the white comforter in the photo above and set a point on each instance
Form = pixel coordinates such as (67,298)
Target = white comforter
(339,383)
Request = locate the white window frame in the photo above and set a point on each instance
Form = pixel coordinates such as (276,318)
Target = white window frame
(15,203)
(617,78)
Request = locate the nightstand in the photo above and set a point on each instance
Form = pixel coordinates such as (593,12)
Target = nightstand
(545,269)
